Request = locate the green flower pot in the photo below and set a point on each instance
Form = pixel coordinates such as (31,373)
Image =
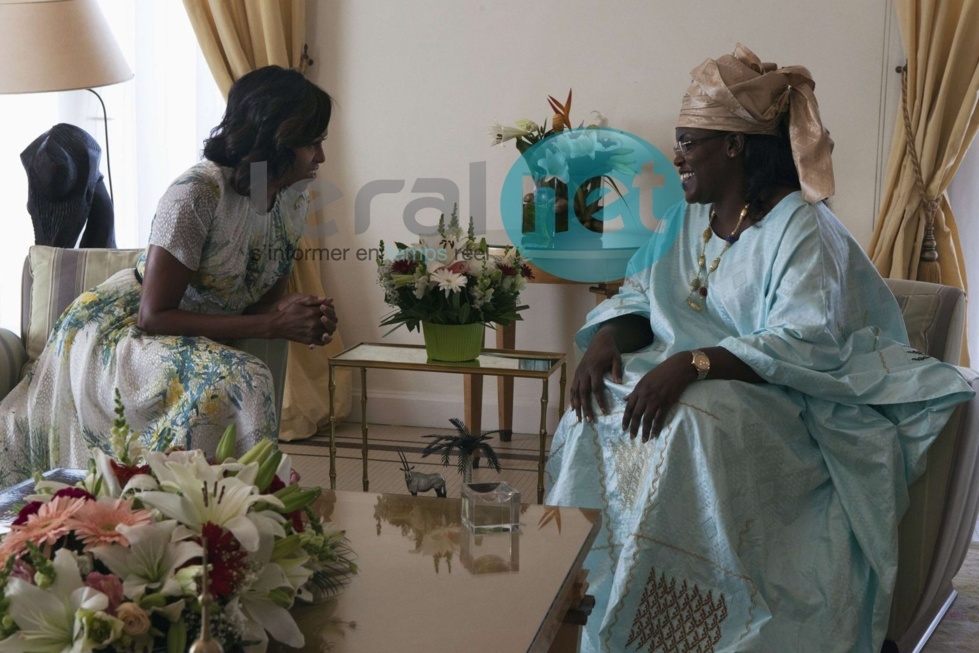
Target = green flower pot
(453,342)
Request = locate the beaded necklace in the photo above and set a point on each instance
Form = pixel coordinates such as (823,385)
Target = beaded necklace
(698,289)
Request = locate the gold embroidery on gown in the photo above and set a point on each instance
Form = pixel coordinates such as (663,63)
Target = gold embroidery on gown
(677,619)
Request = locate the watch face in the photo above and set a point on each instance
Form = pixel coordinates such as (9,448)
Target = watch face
(702,363)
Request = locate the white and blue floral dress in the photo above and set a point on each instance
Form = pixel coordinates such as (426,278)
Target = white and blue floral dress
(176,389)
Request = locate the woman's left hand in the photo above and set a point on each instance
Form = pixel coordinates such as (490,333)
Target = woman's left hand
(649,403)
(326,314)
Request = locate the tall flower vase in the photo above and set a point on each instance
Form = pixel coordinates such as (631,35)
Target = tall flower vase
(545,209)
(453,342)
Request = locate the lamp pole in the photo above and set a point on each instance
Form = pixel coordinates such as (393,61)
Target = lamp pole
(108,162)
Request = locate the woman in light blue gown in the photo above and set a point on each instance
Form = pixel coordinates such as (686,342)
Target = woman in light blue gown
(747,413)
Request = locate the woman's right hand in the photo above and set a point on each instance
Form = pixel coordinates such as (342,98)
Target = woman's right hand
(601,357)
(307,319)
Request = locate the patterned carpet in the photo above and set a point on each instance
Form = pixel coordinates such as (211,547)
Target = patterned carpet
(959,630)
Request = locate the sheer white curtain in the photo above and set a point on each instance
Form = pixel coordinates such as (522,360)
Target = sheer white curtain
(963,194)
(157,124)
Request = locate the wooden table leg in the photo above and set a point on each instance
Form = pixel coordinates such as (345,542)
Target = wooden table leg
(542,459)
(332,371)
(506,338)
(472,391)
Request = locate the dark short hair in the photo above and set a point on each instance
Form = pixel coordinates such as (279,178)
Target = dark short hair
(270,111)
(769,165)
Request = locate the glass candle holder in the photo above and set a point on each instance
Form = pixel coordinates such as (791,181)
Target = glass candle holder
(490,507)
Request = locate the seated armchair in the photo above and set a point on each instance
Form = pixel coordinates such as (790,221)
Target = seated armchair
(935,533)
(53,277)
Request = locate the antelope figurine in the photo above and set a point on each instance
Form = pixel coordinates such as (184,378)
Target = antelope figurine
(419,482)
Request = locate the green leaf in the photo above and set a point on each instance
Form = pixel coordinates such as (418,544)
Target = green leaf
(226,446)
(177,637)
(266,472)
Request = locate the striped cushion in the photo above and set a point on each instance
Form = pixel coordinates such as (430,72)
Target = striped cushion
(56,277)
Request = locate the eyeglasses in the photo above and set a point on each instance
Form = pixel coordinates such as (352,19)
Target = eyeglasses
(682,148)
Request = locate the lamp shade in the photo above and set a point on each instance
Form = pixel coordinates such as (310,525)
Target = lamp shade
(57,45)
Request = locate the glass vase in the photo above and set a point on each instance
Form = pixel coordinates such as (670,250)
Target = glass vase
(546,208)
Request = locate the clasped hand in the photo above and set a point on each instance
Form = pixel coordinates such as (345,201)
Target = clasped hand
(307,319)
(650,401)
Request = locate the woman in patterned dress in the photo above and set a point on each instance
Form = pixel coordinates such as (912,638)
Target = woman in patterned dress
(220,250)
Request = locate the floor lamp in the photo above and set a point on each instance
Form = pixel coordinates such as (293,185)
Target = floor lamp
(59,45)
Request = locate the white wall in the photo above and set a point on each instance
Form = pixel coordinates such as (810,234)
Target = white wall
(418,82)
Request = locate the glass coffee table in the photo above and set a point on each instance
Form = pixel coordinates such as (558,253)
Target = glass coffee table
(492,362)
(426,583)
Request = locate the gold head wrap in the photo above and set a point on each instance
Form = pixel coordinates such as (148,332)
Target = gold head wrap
(739,93)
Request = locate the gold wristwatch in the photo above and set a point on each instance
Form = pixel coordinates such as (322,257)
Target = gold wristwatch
(701,363)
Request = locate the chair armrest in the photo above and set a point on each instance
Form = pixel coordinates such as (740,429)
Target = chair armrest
(936,531)
(274,354)
(13,356)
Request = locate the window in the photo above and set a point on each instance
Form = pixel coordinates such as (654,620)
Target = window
(157,123)
(963,195)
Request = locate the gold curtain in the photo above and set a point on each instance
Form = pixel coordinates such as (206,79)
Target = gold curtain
(238,36)
(941,86)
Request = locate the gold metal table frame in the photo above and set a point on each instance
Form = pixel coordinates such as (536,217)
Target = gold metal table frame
(491,362)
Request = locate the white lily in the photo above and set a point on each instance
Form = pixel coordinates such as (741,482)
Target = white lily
(477,267)
(597,119)
(296,570)
(105,482)
(577,143)
(500,134)
(509,256)
(262,614)
(443,256)
(171,467)
(47,617)
(151,560)
(110,484)
(198,493)
(553,163)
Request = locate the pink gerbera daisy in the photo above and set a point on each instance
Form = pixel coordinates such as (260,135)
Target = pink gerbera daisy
(51,522)
(12,545)
(95,522)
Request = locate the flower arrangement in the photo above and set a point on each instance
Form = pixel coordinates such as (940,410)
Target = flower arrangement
(526,133)
(114,563)
(452,279)
(581,158)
